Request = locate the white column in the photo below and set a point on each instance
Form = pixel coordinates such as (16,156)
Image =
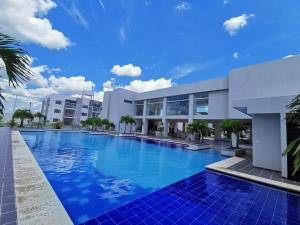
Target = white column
(145,121)
(191,108)
(164,120)
(284,168)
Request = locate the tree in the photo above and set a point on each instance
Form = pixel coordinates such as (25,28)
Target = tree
(16,63)
(232,126)
(130,121)
(22,114)
(40,116)
(293,148)
(126,120)
(105,123)
(198,127)
(111,125)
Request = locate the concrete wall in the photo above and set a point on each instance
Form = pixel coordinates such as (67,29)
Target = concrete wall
(267,141)
(114,106)
(271,79)
(203,86)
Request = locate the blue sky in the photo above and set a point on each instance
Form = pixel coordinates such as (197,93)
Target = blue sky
(180,41)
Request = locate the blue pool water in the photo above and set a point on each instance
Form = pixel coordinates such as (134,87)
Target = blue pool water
(93,174)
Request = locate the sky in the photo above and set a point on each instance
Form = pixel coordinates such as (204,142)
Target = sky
(142,45)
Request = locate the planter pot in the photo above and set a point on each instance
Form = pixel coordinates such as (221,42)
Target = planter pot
(234,140)
(192,137)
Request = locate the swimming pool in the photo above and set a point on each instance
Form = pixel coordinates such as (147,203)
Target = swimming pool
(93,174)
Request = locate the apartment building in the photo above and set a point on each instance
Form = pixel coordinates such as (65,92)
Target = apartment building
(258,94)
(70,110)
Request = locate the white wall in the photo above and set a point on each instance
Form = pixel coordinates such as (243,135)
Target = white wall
(271,79)
(267,141)
(114,106)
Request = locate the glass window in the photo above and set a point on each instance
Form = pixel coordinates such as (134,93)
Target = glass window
(58,102)
(85,106)
(139,108)
(155,107)
(201,104)
(83,114)
(57,111)
(127,101)
(55,120)
(178,105)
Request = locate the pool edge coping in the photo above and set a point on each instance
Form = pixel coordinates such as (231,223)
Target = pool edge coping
(223,165)
(36,201)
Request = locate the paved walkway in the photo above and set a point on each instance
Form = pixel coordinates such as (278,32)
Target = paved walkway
(246,166)
(8,214)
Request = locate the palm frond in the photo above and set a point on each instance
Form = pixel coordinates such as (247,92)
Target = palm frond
(16,60)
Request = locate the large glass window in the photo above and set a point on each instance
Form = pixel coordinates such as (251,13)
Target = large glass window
(139,108)
(201,103)
(155,107)
(178,105)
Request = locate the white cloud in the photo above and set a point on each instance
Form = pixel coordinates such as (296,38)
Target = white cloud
(184,70)
(38,79)
(183,6)
(226,2)
(74,12)
(235,55)
(70,84)
(289,56)
(149,85)
(126,70)
(135,85)
(25,20)
(234,24)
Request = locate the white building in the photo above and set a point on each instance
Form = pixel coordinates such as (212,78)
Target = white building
(258,93)
(70,110)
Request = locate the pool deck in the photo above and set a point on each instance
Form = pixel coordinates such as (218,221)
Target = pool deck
(35,201)
(243,168)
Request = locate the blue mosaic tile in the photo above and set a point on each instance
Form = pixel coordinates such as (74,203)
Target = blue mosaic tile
(209,198)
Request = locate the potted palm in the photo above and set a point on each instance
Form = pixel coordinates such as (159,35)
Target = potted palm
(232,128)
(293,148)
(160,128)
(197,129)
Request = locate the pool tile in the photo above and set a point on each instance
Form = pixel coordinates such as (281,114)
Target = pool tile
(210,198)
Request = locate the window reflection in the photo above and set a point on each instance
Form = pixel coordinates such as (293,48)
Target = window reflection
(178,105)
(201,103)
(155,107)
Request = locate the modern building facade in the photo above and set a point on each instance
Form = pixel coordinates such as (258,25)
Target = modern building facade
(70,110)
(259,94)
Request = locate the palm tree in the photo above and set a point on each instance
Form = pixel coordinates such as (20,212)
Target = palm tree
(16,63)
(105,123)
(40,116)
(130,121)
(232,126)
(111,125)
(293,148)
(198,127)
(22,114)
(124,119)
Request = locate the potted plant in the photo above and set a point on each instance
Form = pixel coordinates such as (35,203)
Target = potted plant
(57,125)
(159,129)
(232,128)
(197,129)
